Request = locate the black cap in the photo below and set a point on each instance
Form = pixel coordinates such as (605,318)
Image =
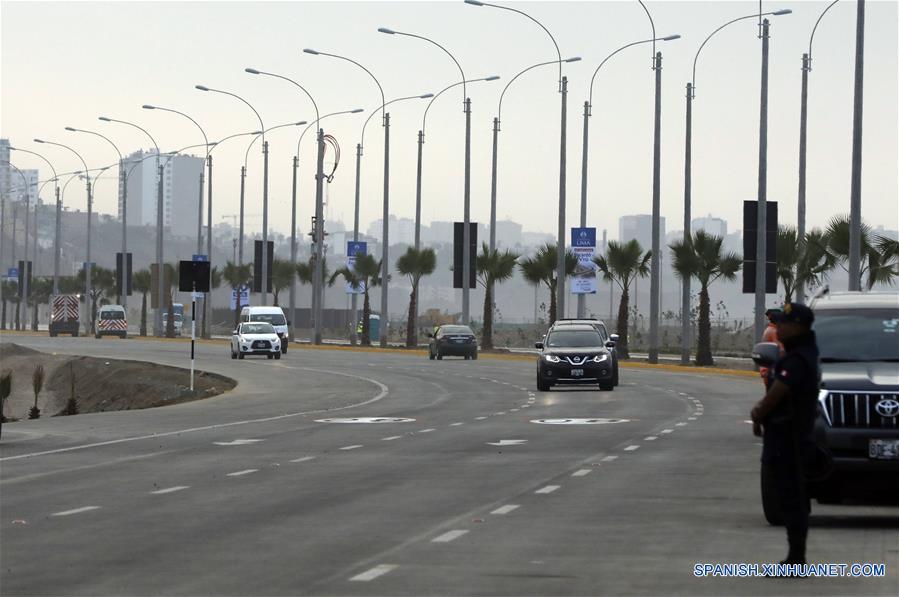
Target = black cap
(796,312)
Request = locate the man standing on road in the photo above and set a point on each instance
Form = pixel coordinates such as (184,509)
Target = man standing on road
(785,418)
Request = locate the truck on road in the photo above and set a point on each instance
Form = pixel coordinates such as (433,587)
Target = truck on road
(64,315)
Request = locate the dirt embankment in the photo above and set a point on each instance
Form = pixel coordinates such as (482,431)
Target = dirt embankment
(100,384)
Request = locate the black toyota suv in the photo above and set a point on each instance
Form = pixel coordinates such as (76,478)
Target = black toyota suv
(610,340)
(857,426)
(573,354)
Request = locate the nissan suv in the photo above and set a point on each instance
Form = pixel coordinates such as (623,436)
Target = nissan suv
(610,340)
(573,354)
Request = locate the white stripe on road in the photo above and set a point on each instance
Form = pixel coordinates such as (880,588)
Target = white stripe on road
(243,472)
(632,448)
(374,573)
(353,447)
(691,418)
(170,489)
(548,489)
(505,509)
(667,430)
(581,473)
(456,424)
(650,438)
(448,536)
(609,458)
(428,430)
(679,424)
(391,438)
(479,418)
(76,511)
(303,459)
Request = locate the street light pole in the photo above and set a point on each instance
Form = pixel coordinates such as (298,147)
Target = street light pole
(655,273)
(855,199)
(761,234)
(58,215)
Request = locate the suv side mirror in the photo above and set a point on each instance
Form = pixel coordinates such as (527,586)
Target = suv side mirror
(538,345)
(613,337)
(765,353)
(234,333)
(288,323)
(610,344)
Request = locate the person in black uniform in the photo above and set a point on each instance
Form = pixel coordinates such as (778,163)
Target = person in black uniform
(785,419)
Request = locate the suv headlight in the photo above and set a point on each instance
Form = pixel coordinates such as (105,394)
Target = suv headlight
(600,358)
(551,358)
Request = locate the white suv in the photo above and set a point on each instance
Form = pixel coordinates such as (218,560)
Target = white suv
(255,338)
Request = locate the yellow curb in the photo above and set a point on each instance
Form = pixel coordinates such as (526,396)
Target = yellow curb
(689,369)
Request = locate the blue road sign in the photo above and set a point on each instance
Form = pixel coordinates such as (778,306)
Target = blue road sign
(200,258)
(13,272)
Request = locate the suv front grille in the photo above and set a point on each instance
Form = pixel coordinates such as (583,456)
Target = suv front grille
(857,410)
(262,344)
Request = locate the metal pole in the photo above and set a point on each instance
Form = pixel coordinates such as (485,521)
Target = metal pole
(466,232)
(493,175)
(688,182)
(243,176)
(123,178)
(582,298)
(37,203)
(87,273)
(421,142)
(560,268)
(207,309)
(355,297)
(160,285)
(761,235)
(803,120)
(200,215)
(193,332)
(317,282)
(264,285)
(56,242)
(293,248)
(855,200)
(385,262)
(23,275)
(655,273)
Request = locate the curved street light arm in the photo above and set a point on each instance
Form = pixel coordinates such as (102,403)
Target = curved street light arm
(315,124)
(254,71)
(384,105)
(812,36)
(38,155)
(215,144)
(381,89)
(83,163)
(152,140)
(653,25)
(447,88)
(447,52)
(261,125)
(606,59)
(262,134)
(202,132)
(499,109)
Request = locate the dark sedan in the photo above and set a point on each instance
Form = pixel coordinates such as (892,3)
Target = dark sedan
(574,354)
(453,340)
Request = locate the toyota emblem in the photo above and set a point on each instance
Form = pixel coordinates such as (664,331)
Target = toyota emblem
(887,408)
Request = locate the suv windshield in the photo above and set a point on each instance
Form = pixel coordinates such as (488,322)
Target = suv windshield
(858,334)
(272,318)
(563,338)
(257,328)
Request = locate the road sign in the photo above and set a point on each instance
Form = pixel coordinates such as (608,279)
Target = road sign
(13,272)
(244,297)
(200,258)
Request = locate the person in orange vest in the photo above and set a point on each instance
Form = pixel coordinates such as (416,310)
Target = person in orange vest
(770,335)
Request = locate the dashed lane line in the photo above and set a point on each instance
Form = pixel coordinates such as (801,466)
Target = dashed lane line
(449,536)
(506,509)
(581,473)
(609,458)
(391,438)
(374,573)
(353,447)
(631,448)
(667,430)
(75,511)
(479,418)
(170,489)
(303,459)
(428,430)
(243,472)
(650,438)
(547,489)
(456,424)
(681,424)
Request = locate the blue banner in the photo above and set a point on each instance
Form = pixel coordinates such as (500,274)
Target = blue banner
(353,249)
(583,245)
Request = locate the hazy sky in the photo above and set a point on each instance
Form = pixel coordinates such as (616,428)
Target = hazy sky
(65,63)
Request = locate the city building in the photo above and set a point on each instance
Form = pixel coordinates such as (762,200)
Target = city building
(508,233)
(5,169)
(639,227)
(401,230)
(710,225)
(181,191)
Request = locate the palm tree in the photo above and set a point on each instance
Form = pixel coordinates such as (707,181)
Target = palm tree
(142,283)
(492,266)
(622,264)
(40,292)
(283,273)
(102,285)
(237,276)
(701,257)
(879,255)
(802,262)
(415,263)
(541,269)
(365,273)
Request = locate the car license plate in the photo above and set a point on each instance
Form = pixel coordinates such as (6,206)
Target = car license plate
(883,449)
(577,373)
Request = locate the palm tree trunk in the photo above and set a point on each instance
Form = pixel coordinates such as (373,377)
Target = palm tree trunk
(34,317)
(275,304)
(487,334)
(623,307)
(552,302)
(237,308)
(704,341)
(366,318)
(18,316)
(411,340)
(143,315)
(3,321)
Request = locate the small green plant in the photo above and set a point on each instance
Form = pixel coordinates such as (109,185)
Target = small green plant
(37,383)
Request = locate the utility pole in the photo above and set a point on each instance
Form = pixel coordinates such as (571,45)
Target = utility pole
(855,200)
(761,222)
(655,273)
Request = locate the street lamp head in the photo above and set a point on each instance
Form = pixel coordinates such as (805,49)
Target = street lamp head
(573,59)
(300,123)
(310,51)
(474,2)
(492,78)
(201,87)
(386,30)
(252,71)
(148,107)
(103,118)
(356,111)
(68,128)
(38,141)
(426,96)
(256,132)
(671,37)
(783,11)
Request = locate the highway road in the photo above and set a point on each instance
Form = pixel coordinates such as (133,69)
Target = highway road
(338,472)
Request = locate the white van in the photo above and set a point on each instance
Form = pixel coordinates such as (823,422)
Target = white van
(272,315)
(111,321)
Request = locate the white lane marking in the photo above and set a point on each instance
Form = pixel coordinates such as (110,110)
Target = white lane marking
(581,473)
(548,489)
(373,573)
(428,430)
(513,410)
(76,511)
(170,489)
(391,438)
(502,412)
(456,424)
(303,459)
(691,418)
(632,448)
(609,458)
(384,391)
(448,536)
(508,442)
(243,472)
(650,438)
(479,418)
(683,394)
(238,442)
(505,509)
(525,406)
(681,424)
(748,422)
(667,430)
(353,447)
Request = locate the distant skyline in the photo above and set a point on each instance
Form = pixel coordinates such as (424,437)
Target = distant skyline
(110,58)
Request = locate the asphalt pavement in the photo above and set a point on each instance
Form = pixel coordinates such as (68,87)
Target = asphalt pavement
(334,472)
